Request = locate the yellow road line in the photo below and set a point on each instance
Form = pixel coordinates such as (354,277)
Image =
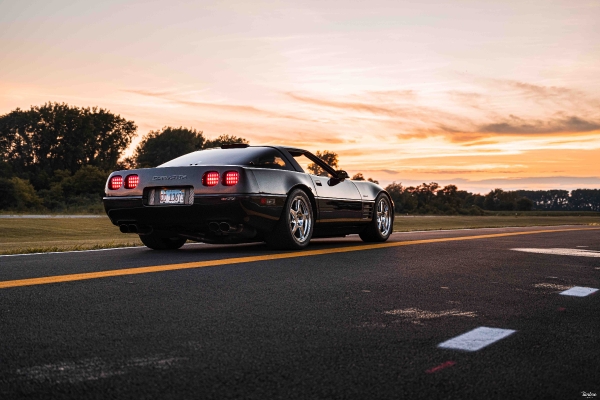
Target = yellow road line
(268,257)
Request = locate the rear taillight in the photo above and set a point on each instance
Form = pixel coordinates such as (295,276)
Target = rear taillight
(231,178)
(210,178)
(131,181)
(115,182)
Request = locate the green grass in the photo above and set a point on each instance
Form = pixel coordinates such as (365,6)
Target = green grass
(543,213)
(38,235)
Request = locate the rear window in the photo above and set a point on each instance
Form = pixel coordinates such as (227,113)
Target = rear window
(258,157)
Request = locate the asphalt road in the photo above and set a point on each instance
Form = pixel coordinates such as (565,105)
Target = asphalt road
(334,322)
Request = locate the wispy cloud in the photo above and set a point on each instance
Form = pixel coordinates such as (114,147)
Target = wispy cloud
(516,125)
(173,98)
(177,98)
(559,96)
(395,112)
(566,111)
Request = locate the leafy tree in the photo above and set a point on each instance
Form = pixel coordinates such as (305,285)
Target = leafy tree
(88,180)
(396,192)
(499,200)
(168,143)
(58,136)
(5,170)
(555,200)
(524,204)
(8,194)
(448,199)
(585,200)
(83,188)
(53,198)
(425,194)
(404,200)
(26,197)
(224,139)
(330,159)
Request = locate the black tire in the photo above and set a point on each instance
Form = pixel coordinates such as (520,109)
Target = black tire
(381,226)
(295,227)
(157,242)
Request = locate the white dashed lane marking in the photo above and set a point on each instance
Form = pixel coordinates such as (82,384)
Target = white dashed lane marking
(476,339)
(579,291)
(562,252)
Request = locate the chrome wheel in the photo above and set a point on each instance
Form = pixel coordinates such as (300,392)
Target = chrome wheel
(300,219)
(384,216)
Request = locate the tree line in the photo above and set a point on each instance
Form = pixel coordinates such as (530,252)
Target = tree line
(433,199)
(57,157)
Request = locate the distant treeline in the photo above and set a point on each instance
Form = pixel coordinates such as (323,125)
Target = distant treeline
(57,158)
(433,199)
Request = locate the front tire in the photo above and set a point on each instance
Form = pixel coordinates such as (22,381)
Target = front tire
(381,226)
(295,227)
(157,242)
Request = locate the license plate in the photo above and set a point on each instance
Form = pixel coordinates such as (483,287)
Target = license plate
(172,196)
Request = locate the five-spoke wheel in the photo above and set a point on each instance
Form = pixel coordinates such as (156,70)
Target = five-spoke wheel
(383,214)
(381,226)
(295,227)
(300,219)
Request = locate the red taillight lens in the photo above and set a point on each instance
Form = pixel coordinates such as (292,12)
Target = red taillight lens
(115,182)
(131,181)
(210,178)
(231,178)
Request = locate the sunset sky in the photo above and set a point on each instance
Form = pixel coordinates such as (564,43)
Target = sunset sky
(481,94)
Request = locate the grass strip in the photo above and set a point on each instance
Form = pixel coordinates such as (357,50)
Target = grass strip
(42,235)
(80,247)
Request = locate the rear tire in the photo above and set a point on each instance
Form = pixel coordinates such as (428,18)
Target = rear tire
(157,242)
(295,227)
(381,226)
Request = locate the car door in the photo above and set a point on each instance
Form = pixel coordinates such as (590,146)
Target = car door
(338,201)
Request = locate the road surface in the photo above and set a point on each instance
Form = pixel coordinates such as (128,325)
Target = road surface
(486,313)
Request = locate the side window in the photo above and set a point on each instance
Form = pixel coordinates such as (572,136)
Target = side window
(309,167)
(270,160)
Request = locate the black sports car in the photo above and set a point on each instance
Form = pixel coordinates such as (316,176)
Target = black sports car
(241,193)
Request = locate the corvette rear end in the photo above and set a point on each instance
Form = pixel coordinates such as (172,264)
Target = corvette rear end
(208,203)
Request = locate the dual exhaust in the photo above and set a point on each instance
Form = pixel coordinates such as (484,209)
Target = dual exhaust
(224,227)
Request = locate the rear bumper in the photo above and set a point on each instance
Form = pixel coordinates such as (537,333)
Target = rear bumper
(259,212)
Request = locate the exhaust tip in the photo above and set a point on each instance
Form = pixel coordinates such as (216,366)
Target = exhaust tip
(124,228)
(132,228)
(213,226)
(224,226)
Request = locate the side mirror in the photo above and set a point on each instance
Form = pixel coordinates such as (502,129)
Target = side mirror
(341,175)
